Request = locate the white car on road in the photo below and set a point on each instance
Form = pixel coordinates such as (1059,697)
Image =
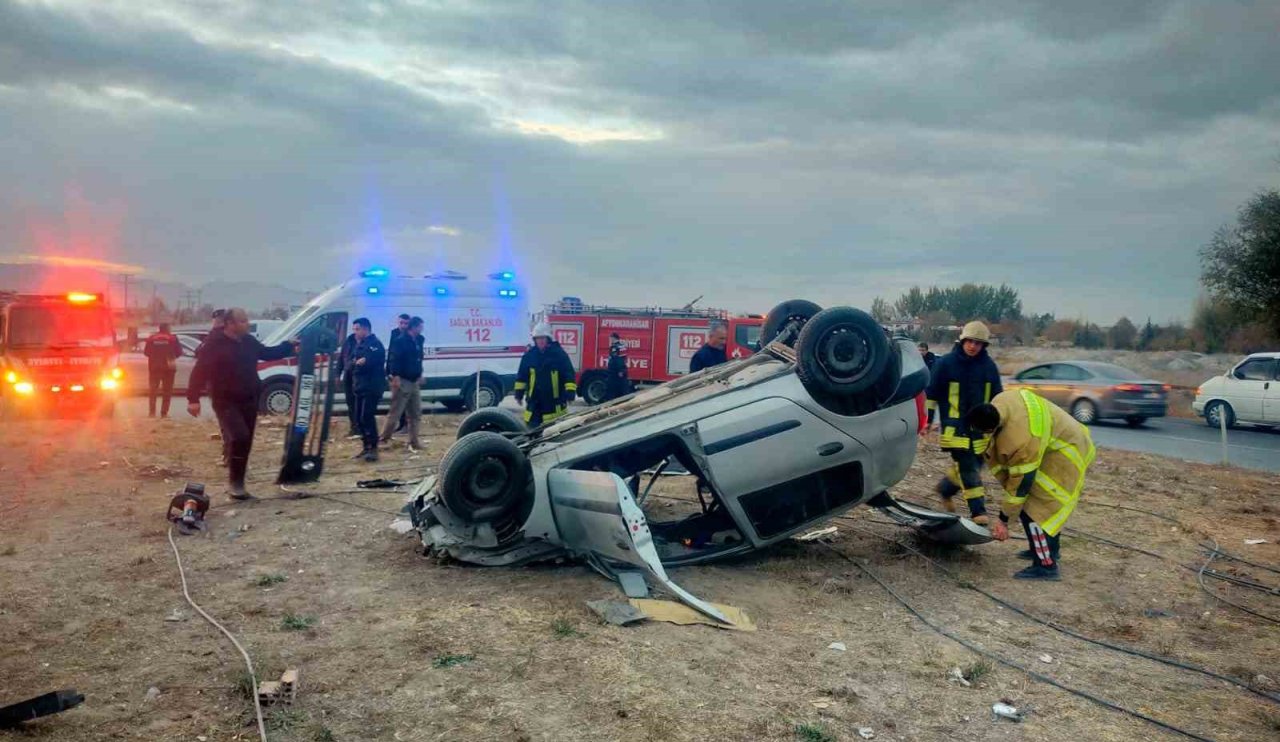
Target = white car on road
(1248,393)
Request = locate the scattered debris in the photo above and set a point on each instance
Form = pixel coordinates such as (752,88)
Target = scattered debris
(401,526)
(1157,613)
(838,646)
(452,660)
(1003,710)
(1255,541)
(152,694)
(49,703)
(820,705)
(820,533)
(957,676)
(244,527)
(682,615)
(1047,659)
(284,690)
(616,612)
(380,483)
(866,733)
(176,616)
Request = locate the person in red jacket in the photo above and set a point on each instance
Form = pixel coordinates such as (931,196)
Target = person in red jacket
(162,351)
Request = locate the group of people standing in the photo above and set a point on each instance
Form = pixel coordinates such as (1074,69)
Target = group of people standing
(369,369)
(1035,449)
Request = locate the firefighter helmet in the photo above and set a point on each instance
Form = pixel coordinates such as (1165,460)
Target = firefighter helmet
(975,330)
(543,330)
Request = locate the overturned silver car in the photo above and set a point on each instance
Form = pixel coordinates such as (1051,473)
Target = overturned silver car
(823,419)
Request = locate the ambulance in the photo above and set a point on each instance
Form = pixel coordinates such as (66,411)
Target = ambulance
(475,332)
(660,342)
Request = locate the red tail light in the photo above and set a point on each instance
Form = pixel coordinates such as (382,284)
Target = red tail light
(922,419)
(1127,388)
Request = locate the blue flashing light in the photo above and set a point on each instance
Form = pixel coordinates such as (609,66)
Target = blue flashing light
(503,276)
(508,293)
(374,290)
(375,273)
(441,291)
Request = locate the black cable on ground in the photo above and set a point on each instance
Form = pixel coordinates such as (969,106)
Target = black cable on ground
(1071,632)
(1152,513)
(1237,606)
(1010,663)
(1232,557)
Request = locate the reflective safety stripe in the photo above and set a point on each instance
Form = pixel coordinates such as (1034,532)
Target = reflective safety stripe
(1039,421)
(953,397)
(929,404)
(997,468)
(533,377)
(1023,468)
(528,415)
(949,439)
(986,394)
(520,386)
(1013,499)
(1053,488)
(571,387)
(980,445)
(555,384)
(973,493)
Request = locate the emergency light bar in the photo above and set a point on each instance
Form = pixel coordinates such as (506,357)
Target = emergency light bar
(373,290)
(503,276)
(441,291)
(375,273)
(79,297)
(508,293)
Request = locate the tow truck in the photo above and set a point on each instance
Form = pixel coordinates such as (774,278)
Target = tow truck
(57,354)
(660,341)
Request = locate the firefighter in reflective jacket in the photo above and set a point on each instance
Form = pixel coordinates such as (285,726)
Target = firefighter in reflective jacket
(961,380)
(546,378)
(1039,453)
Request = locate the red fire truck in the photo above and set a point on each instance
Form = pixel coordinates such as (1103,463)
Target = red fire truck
(57,353)
(659,341)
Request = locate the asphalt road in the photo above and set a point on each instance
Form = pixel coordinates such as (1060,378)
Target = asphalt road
(1192,440)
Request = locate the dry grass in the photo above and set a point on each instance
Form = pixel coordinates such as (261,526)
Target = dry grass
(402,647)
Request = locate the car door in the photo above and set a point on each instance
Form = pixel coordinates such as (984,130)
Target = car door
(1070,383)
(1247,386)
(186,362)
(1034,378)
(1271,402)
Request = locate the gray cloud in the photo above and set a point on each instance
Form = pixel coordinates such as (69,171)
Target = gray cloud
(1080,151)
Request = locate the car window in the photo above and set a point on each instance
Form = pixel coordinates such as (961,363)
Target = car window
(1119,373)
(747,336)
(1038,373)
(1067,372)
(1259,369)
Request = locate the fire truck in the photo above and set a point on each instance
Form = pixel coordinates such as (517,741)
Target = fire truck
(660,342)
(57,353)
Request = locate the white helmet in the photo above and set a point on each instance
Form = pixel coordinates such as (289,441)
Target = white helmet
(542,329)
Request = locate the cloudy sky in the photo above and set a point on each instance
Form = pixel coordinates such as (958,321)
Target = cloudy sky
(645,152)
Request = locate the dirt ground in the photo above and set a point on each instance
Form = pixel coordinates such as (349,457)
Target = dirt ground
(395,646)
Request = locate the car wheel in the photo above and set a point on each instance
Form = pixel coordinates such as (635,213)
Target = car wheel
(277,398)
(454,405)
(842,352)
(785,319)
(490,394)
(485,477)
(493,420)
(1084,411)
(1214,413)
(594,389)
(1135,421)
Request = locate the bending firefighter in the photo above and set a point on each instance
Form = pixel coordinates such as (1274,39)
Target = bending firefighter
(546,378)
(961,380)
(1040,454)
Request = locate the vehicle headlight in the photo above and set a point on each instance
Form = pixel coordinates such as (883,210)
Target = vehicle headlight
(24,387)
(117,373)
(108,383)
(11,377)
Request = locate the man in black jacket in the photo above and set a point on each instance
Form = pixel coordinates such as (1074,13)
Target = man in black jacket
(712,352)
(404,362)
(348,394)
(929,358)
(368,370)
(546,377)
(402,325)
(228,364)
(961,380)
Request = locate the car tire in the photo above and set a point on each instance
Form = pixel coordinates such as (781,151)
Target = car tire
(796,311)
(1216,408)
(594,388)
(1084,411)
(493,420)
(276,398)
(842,352)
(1135,421)
(485,477)
(454,405)
(490,394)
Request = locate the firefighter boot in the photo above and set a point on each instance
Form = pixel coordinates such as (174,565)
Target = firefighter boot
(1038,571)
(947,490)
(976,499)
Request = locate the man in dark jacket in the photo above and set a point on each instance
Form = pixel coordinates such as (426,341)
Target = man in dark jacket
(217,323)
(961,380)
(402,325)
(162,351)
(712,352)
(617,384)
(228,364)
(348,394)
(929,358)
(368,370)
(404,361)
(546,377)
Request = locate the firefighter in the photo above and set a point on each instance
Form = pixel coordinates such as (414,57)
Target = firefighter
(162,350)
(228,364)
(961,380)
(617,384)
(368,367)
(1039,453)
(929,358)
(546,377)
(712,351)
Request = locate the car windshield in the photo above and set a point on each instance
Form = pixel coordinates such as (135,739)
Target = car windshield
(60,326)
(1119,373)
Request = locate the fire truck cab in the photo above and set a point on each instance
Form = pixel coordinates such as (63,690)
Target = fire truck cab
(57,354)
(660,342)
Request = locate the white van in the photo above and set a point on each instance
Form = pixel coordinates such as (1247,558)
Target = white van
(475,332)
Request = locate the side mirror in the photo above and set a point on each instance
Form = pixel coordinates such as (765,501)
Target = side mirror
(1238,374)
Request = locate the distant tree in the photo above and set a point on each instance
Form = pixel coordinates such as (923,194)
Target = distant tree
(1173,336)
(1061,331)
(912,303)
(1089,336)
(1147,336)
(1122,335)
(964,303)
(1241,264)
(1038,323)
(880,310)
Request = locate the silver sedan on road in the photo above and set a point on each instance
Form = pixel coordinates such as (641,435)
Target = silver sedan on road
(1092,391)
